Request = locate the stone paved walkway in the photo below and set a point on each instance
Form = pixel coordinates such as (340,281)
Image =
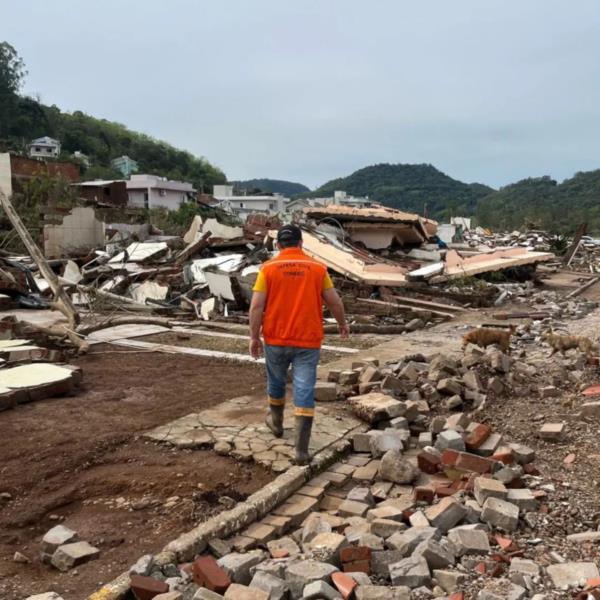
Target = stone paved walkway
(237,428)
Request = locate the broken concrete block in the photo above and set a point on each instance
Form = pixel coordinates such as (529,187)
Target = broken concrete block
(552,432)
(276,588)
(376,407)
(447,513)
(237,591)
(469,541)
(405,542)
(143,566)
(523,454)
(390,439)
(572,574)
(394,467)
(237,565)
(472,380)
(385,528)
(70,555)
(57,536)
(301,573)
(319,590)
(496,386)
(490,445)
(500,514)
(411,572)
(450,439)
(381,592)
(437,555)
(325,391)
(523,498)
(283,547)
(45,596)
(485,487)
(524,566)
(450,387)
(450,581)
(548,391)
(452,402)
(415,324)
(348,378)
(381,560)
(326,547)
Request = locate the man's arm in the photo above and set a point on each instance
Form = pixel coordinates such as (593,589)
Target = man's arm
(257,308)
(336,308)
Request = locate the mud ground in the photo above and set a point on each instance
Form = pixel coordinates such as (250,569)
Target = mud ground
(80,461)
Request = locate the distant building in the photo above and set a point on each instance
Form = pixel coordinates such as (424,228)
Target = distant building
(84,159)
(113,193)
(125,165)
(341,198)
(152,191)
(44,147)
(242,206)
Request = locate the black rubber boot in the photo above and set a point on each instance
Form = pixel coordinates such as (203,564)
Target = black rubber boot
(303,429)
(274,420)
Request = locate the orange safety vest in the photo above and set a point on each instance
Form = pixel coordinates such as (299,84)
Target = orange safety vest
(294,283)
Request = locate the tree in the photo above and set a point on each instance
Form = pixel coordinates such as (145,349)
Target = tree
(12,71)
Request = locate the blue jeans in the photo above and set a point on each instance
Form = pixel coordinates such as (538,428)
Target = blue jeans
(304,363)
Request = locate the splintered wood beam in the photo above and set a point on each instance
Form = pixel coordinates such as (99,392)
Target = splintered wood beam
(63,302)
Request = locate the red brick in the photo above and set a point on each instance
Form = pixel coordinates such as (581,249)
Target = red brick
(480,568)
(457,596)
(505,543)
(531,469)
(504,455)
(345,584)
(146,588)
(423,494)
(449,457)
(442,491)
(208,574)
(428,463)
(355,553)
(592,582)
(362,566)
(481,433)
(478,464)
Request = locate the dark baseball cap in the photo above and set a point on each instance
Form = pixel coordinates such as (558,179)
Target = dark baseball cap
(289,233)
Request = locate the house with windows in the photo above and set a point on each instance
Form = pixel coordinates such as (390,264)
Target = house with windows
(152,191)
(244,205)
(44,147)
(125,165)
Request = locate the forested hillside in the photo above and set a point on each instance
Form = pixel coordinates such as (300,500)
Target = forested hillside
(414,188)
(545,203)
(23,119)
(275,186)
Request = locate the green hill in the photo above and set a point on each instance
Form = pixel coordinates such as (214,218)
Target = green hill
(414,188)
(545,203)
(23,119)
(274,186)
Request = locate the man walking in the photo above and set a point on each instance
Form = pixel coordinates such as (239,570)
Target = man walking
(287,304)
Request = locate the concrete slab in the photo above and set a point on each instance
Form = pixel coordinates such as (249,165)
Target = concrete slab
(239,423)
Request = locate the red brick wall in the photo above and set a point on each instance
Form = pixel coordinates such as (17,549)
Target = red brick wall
(22,166)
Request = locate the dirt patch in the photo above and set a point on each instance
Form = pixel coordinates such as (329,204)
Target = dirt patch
(80,460)
(221,344)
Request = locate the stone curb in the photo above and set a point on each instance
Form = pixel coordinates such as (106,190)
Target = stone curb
(256,506)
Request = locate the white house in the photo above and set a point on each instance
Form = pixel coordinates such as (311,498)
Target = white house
(341,198)
(44,147)
(242,206)
(152,191)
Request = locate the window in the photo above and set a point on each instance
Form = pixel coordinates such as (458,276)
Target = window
(37,149)
(271,206)
(241,205)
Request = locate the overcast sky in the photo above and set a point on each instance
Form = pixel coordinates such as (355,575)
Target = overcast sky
(308,90)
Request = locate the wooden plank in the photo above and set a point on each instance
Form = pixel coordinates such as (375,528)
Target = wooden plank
(428,304)
(568,257)
(63,302)
(405,307)
(583,287)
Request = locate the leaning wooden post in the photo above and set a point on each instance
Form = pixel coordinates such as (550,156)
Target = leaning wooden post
(63,302)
